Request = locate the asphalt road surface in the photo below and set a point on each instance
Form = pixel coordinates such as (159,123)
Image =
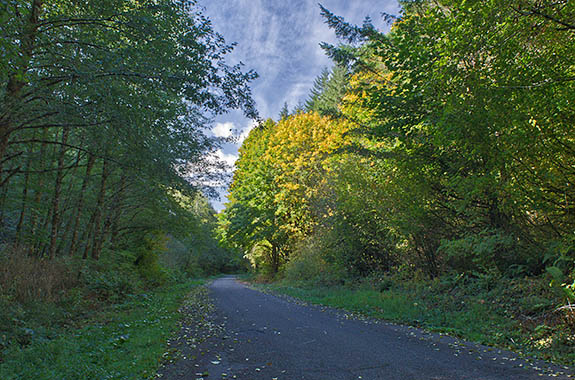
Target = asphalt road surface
(262,336)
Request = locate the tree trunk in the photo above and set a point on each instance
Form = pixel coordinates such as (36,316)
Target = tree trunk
(3,196)
(98,232)
(43,204)
(4,138)
(68,207)
(15,82)
(275,259)
(56,198)
(117,212)
(24,205)
(87,235)
(39,187)
(80,208)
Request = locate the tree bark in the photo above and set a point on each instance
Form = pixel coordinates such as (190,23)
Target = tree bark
(56,198)
(98,231)
(42,198)
(39,187)
(24,205)
(275,259)
(87,235)
(3,196)
(117,212)
(15,81)
(80,208)
(68,206)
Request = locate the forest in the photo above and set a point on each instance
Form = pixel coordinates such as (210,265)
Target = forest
(104,160)
(437,156)
(433,163)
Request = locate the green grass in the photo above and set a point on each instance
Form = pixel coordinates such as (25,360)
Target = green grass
(123,341)
(505,315)
(475,322)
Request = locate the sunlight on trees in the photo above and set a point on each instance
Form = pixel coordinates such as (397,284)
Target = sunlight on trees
(451,149)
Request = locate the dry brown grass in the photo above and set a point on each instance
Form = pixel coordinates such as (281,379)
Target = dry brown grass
(28,278)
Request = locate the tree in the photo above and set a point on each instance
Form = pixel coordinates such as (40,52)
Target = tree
(280,169)
(103,108)
(284,113)
(251,213)
(327,92)
(450,94)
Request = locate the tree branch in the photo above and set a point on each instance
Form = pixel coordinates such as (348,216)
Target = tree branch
(537,12)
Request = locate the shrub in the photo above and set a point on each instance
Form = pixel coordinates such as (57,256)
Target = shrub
(485,252)
(309,265)
(147,260)
(29,278)
(113,277)
(150,269)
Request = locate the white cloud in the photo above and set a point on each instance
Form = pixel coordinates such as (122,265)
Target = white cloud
(223,129)
(280,40)
(298,92)
(229,159)
(246,131)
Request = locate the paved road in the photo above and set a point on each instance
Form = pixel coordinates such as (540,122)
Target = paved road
(268,337)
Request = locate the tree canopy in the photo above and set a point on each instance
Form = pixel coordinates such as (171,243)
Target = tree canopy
(104,112)
(448,143)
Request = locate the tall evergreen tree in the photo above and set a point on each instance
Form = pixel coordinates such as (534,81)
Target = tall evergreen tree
(327,92)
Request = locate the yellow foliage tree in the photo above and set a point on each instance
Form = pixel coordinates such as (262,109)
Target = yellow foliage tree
(302,149)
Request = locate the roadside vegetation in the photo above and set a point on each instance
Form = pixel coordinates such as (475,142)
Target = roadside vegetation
(121,340)
(76,319)
(105,160)
(513,314)
(428,179)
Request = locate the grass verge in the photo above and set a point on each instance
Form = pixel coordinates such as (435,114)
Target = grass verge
(122,341)
(510,314)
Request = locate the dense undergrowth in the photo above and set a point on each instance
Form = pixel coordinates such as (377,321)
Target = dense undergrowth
(518,314)
(81,319)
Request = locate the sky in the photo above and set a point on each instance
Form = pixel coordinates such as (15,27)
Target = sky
(279,39)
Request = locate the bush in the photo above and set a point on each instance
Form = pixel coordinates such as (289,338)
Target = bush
(485,252)
(113,277)
(147,260)
(29,278)
(309,266)
(150,269)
